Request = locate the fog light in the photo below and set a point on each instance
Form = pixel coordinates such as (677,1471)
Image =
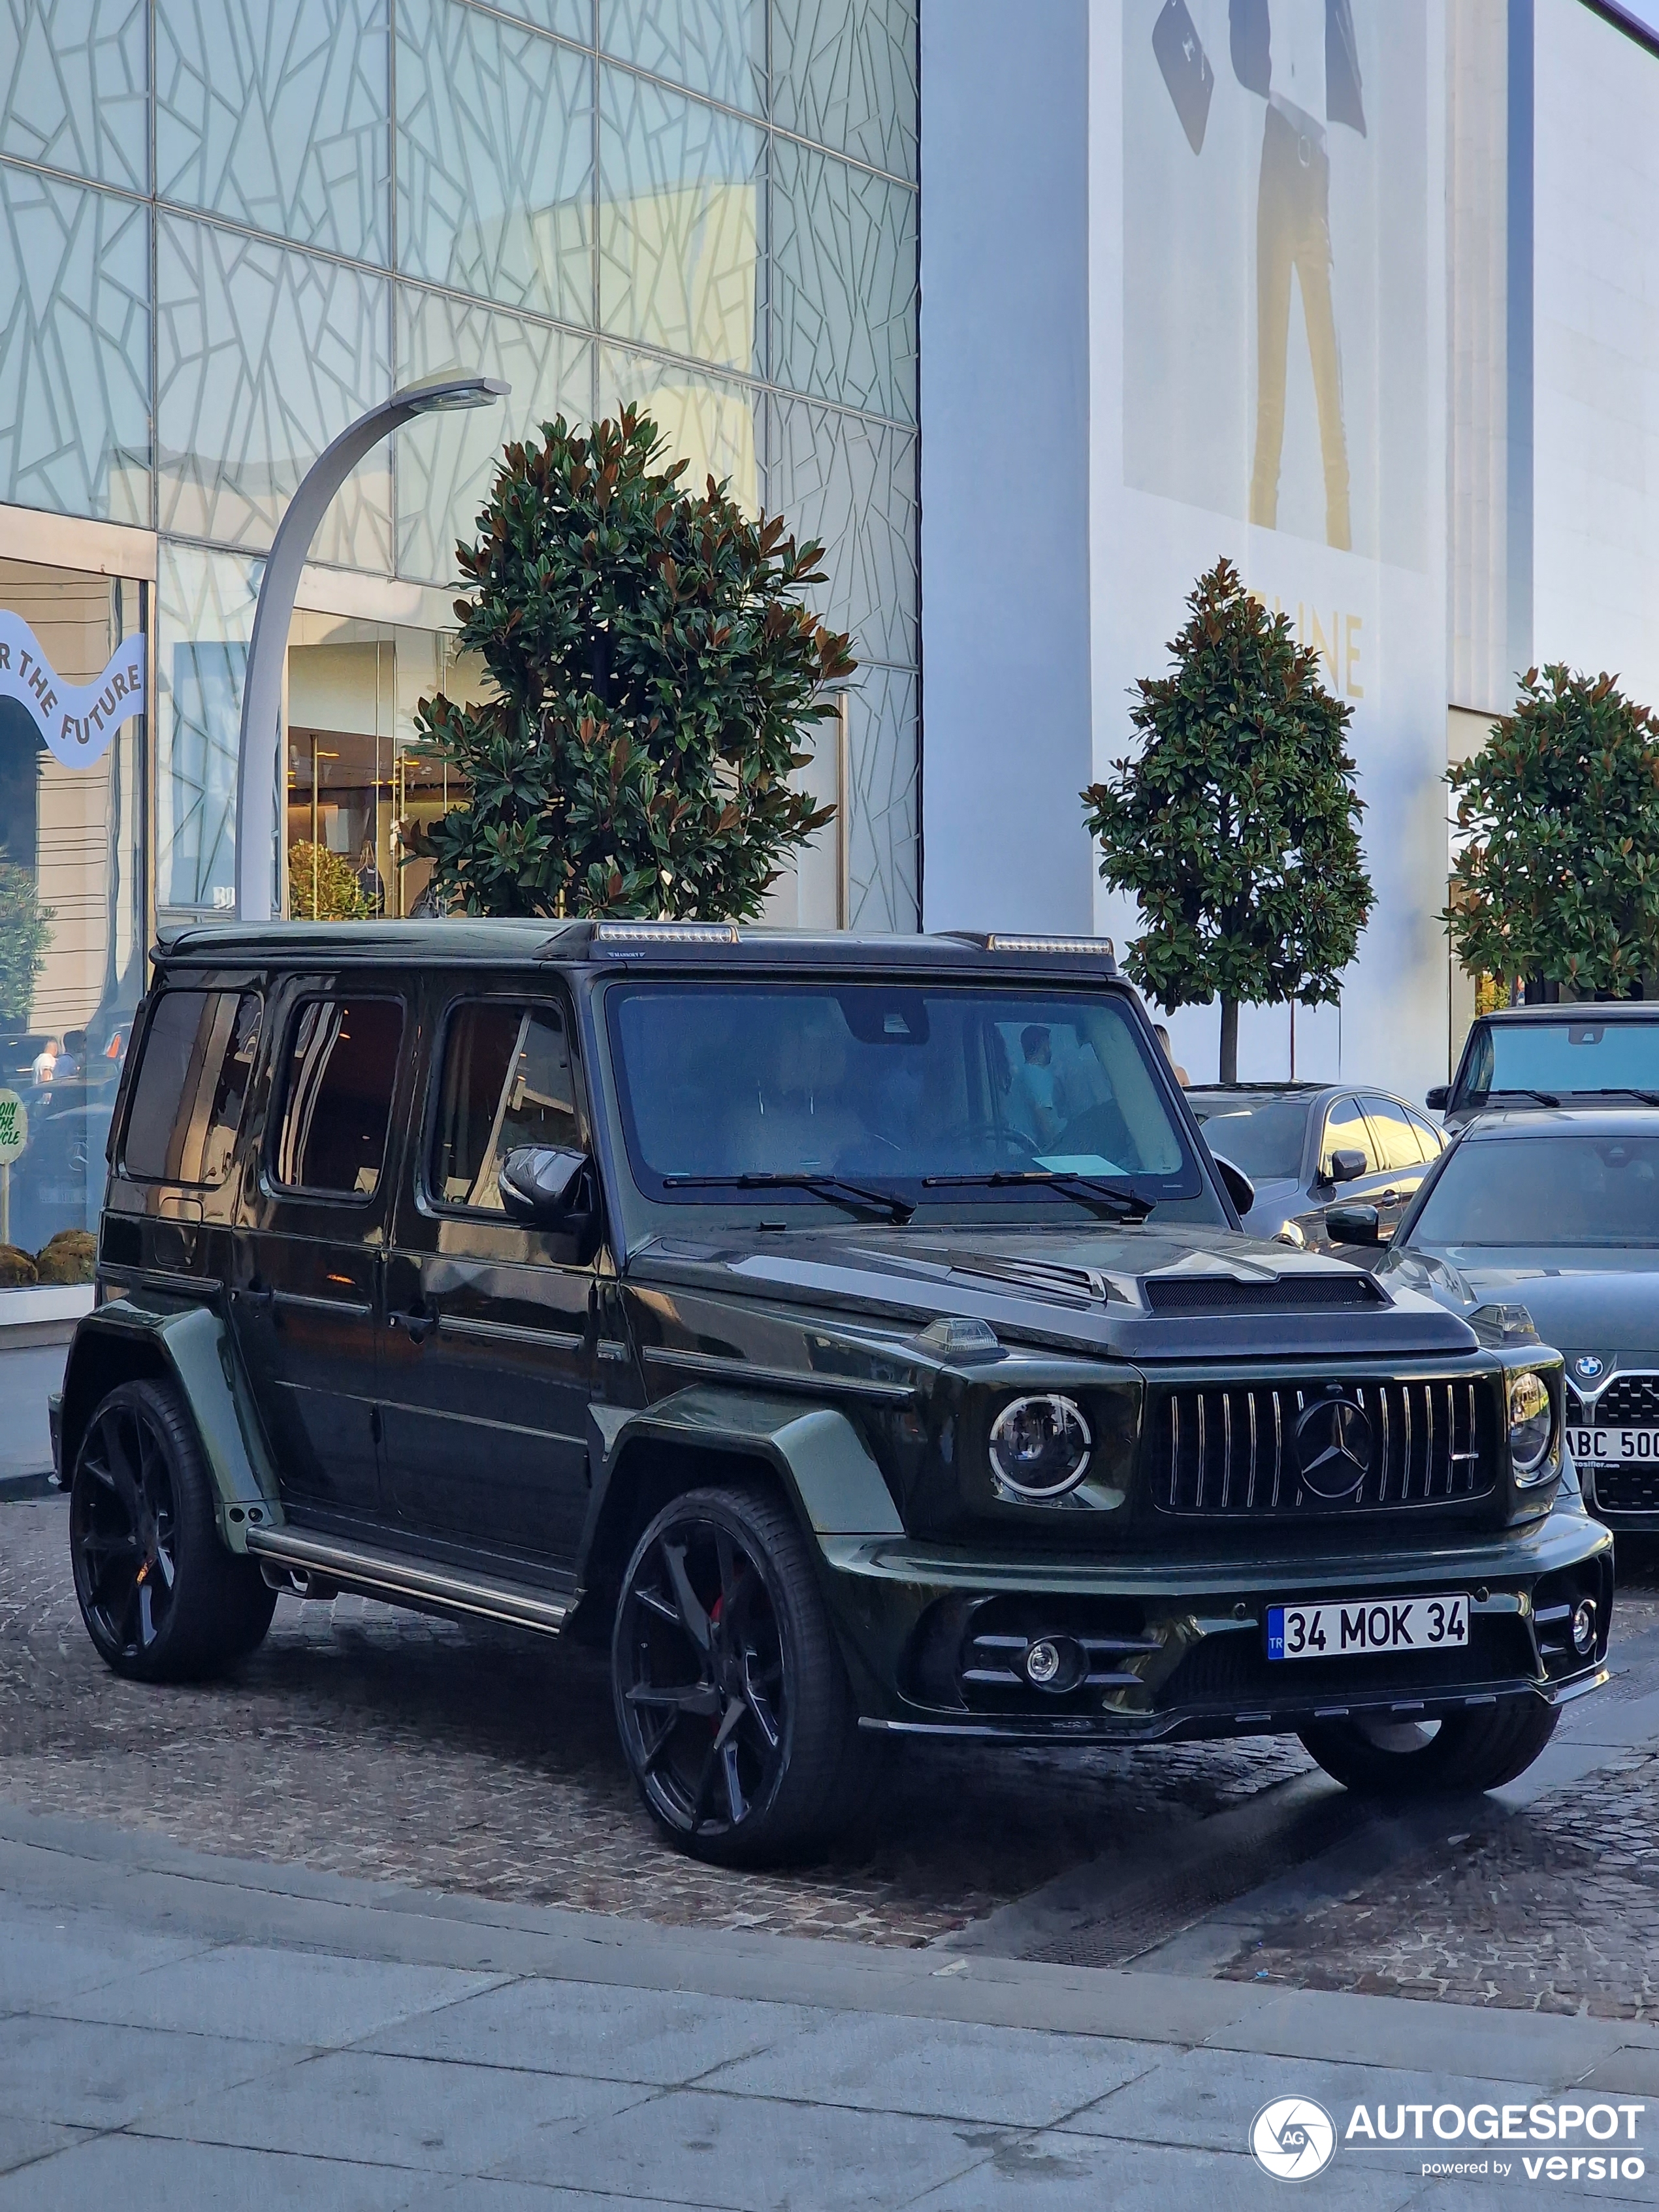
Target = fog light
(1054,1663)
(1583,1627)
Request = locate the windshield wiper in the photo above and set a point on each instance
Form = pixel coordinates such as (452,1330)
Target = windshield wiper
(1518,1091)
(1116,1198)
(1620,1090)
(856,1197)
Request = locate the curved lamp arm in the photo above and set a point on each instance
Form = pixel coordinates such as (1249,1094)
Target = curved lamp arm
(258,749)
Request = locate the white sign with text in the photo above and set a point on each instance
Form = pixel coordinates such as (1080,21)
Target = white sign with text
(77,720)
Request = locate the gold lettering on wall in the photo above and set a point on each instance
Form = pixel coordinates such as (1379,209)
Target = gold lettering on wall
(1340,646)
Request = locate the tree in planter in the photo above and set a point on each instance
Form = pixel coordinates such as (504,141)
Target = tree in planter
(655,674)
(322,885)
(1559,881)
(1236,826)
(25,934)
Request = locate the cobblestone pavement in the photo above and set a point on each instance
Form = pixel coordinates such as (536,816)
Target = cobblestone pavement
(362,1739)
(1553,1909)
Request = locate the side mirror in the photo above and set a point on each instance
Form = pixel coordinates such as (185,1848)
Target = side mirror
(1352,1225)
(1438,1099)
(1240,1188)
(544,1187)
(1347,1165)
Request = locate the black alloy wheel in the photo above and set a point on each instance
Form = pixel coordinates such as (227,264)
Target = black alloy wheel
(162,1598)
(731,1700)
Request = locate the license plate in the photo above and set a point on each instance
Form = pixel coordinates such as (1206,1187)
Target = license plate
(1348,1627)
(1615,1446)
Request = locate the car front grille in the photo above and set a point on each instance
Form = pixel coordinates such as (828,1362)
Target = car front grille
(1233,1453)
(1630,1401)
(1625,1489)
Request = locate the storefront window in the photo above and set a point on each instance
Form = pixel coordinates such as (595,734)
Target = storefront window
(72,911)
(358,777)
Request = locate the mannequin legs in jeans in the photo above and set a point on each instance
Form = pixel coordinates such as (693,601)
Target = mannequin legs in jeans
(1292,231)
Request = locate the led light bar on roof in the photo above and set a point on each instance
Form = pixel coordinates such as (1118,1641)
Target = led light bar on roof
(1101,948)
(664,933)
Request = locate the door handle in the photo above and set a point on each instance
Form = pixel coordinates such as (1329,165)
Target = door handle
(417,1326)
(260,1297)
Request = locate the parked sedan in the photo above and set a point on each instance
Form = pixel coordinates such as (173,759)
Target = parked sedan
(1307,1146)
(1559,1212)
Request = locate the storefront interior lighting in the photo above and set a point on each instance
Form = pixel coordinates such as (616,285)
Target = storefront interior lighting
(258,751)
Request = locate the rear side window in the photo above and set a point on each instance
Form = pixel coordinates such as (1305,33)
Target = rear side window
(199,1057)
(506,1081)
(339,1068)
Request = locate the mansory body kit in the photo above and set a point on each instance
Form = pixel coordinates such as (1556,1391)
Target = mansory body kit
(855,1335)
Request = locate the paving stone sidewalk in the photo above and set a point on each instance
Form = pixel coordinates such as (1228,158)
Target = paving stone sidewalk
(178,2030)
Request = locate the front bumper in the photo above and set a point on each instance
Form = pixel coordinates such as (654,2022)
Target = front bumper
(1176,1649)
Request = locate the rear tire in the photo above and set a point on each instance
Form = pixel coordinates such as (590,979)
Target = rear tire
(162,1599)
(736,1716)
(1471,1751)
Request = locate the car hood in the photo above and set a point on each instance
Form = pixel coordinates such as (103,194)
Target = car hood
(1082,1289)
(1587,1299)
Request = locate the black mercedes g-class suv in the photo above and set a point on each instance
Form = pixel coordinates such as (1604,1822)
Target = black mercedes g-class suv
(856,1334)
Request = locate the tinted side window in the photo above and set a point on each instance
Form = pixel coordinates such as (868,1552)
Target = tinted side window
(1346,1130)
(199,1057)
(1428,1137)
(506,1081)
(341,1063)
(1396,1138)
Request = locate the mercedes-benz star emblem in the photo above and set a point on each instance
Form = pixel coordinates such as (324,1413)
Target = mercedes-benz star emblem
(1587,1366)
(1334,1447)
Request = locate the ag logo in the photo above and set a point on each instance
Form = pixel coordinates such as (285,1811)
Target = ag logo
(1293,2138)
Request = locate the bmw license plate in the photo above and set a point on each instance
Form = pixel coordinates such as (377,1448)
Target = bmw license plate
(1351,1627)
(1614,1447)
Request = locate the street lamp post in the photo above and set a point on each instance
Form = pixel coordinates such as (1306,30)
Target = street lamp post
(258,757)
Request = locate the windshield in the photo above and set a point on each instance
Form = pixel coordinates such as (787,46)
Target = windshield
(1553,1190)
(1578,1054)
(889,1085)
(1263,1136)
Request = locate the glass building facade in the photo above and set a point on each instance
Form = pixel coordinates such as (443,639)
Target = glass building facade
(227,228)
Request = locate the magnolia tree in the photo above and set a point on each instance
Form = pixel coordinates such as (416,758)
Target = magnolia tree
(1236,824)
(655,677)
(1558,879)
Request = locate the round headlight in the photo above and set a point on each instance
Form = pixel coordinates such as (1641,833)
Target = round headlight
(1531,1423)
(1040,1446)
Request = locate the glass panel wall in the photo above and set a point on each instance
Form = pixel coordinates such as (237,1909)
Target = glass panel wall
(72,928)
(705,206)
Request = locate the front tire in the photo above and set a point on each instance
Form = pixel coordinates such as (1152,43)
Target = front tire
(1472,1751)
(162,1600)
(733,1706)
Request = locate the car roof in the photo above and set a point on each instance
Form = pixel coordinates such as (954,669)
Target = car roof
(719,947)
(1579,1010)
(1541,1121)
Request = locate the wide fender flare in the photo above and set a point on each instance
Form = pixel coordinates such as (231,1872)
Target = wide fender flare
(192,1348)
(816,1452)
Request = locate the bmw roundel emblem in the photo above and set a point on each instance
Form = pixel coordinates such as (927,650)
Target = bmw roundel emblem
(1587,1366)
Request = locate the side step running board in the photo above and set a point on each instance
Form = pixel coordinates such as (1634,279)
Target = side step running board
(389,1575)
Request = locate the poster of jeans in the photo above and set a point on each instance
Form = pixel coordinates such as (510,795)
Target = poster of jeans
(1275,277)
(1269,380)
